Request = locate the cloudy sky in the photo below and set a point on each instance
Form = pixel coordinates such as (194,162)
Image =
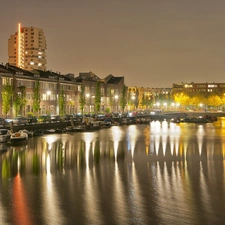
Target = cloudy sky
(152,43)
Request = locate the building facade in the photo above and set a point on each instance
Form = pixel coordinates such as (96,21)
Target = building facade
(193,88)
(110,89)
(53,85)
(27,48)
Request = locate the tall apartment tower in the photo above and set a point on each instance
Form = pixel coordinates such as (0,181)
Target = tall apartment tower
(27,48)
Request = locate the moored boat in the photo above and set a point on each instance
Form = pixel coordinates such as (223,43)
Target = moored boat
(79,128)
(4,135)
(30,133)
(18,137)
(38,132)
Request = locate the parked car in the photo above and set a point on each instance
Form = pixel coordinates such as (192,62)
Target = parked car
(66,117)
(32,119)
(55,118)
(20,121)
(44,119)
(3,122)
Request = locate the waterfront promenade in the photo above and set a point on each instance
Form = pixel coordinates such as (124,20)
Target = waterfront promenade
(119,120)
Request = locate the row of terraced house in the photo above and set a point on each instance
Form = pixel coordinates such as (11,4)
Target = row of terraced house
(51,84)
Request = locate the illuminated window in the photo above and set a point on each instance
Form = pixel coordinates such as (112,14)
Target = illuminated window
(31,63)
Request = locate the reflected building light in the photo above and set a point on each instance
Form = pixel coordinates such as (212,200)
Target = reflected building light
(43,159)
(157,144)
(200,135)
(165,127)
(115,147)
(132,135)
(120,206)
(63,159)
(51,210)
(88,137)
(177,144)
(50,140)
(172,144)
(152,144)
(91,193)
(146,149)
(205,191)
(18,164)
(159,186)
(135,196)
(116,135)
(48,164)
(147,139)
(132,148)
(87,149)
(185,149)
(167,179)
(164,142)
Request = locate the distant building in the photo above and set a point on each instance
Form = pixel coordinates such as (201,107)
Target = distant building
(110,88)
(27,48)
(193,88)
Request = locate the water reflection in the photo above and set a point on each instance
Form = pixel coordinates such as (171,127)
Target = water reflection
(137,174)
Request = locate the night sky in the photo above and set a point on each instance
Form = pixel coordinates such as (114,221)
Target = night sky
(152,43)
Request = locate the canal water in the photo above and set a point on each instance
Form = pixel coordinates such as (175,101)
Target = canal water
(158,173)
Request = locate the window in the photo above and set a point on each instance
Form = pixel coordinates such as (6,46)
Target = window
(212,85)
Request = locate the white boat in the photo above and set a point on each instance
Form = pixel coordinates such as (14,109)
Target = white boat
(18,137)
(4,135)
(30,133)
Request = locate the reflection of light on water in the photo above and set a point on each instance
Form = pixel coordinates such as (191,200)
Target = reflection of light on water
(116,135)
(132,134)
(18,163)
(135,197)
(50,139)
(48,164)
(52,213)
(160,132)
(200,134)
(90,188)
(155,130)
(88,138)
(119,199)
(164,141)
(205,192)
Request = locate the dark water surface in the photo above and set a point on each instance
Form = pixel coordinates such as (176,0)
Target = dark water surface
(139,174)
